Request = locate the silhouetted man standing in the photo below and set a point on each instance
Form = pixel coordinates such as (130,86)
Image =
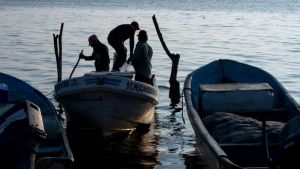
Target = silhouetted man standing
(100,54)
(116,39)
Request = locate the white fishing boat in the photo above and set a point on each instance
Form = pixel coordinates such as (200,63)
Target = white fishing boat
(108,102)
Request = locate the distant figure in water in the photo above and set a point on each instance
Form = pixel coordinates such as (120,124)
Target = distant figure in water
(141,59)
(116,39)
(100,54)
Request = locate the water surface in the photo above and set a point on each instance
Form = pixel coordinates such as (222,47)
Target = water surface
(261,33)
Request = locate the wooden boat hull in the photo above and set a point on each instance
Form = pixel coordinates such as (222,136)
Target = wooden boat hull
(115,105)
(236,155)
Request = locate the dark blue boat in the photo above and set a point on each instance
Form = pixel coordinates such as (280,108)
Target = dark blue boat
(29,124)
(242,116)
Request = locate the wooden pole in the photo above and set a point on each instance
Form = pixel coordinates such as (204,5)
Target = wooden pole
(57,39)
(174,92)
(56,54)
(60,51)
(75,65)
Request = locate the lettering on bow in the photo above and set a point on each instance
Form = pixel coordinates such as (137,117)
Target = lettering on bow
(139,87)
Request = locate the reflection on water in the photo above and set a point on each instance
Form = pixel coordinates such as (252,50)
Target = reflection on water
(156,147)
(193,160)
(137,150)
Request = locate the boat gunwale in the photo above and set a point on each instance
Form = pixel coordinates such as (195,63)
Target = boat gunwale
(153,87)
(105,89)
(65,92)
(194,117)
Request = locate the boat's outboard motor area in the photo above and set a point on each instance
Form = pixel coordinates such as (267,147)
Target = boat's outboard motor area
(290,143)
(21,132)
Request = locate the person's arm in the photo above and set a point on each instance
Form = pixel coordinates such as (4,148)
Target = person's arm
(139,52)
(133,58)
(131,45)
(82,56)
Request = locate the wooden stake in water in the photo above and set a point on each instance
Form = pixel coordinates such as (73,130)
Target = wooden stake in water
(58,56)
(58,52)
(174,92)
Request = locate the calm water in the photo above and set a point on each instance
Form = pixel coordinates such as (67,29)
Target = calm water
(263,33)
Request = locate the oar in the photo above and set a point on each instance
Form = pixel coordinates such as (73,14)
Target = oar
(75,65)
(174,92)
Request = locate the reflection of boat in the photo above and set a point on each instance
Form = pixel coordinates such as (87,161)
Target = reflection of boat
(20,101)
(242,116)
(109,102)
(137,150)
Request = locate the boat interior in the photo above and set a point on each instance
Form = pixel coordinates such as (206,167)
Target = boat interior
(242,123)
